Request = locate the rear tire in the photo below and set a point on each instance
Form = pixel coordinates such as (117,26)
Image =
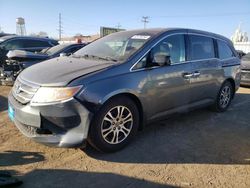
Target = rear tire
(115,125)
(224,97)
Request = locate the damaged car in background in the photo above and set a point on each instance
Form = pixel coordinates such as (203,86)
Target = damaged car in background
(27,43)
(20,59)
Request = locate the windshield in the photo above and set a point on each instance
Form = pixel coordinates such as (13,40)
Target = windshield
(55,49)
(116,47)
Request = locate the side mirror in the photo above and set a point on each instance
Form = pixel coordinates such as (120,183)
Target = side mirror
(161,59)
(63,54)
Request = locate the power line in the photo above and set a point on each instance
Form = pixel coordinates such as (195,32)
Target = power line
(145,20)
(226,14)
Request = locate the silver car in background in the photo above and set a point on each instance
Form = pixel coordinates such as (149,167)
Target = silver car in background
(105,92)
(245,70)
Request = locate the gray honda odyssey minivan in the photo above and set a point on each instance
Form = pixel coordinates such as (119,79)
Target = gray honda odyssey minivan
(105,92)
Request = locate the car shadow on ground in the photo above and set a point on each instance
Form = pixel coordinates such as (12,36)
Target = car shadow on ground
(12,158)
(71,178)
(3,103)
(198,137)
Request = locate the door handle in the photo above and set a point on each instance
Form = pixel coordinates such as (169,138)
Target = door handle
(187,75)
(196,74)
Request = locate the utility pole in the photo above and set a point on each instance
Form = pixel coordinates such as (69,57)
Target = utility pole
(145,20)
(118,26)
(60,27)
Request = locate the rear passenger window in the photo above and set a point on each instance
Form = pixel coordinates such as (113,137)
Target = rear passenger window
(225,51)
(201,47)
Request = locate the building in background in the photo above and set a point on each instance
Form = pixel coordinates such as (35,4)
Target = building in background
(241,40)
(108,30)
(77,38)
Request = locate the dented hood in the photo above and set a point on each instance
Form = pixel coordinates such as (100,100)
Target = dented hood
(60,71)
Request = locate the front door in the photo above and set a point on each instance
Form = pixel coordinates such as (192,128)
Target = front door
(169,84)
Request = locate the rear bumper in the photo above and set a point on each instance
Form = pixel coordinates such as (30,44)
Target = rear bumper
(59,125)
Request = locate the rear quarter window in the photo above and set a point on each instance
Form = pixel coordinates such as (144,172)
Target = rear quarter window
(201,47)
(224,50)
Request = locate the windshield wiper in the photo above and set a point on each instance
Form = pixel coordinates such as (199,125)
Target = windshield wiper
(95,57)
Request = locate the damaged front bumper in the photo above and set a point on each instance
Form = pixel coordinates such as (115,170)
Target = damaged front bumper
(60,125)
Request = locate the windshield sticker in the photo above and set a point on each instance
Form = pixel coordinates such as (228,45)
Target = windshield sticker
(142,37)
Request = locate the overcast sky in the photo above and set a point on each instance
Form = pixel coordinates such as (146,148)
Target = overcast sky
(86,17)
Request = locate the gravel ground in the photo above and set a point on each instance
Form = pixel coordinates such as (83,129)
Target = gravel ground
(196,149)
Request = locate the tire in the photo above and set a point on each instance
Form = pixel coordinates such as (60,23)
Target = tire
(110,132)
(219,105)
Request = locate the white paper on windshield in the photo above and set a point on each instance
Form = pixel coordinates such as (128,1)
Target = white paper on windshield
(142,37)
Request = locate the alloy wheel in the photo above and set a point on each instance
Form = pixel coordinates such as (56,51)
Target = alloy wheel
(117,125)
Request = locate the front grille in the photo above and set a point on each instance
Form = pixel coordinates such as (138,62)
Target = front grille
(23,91)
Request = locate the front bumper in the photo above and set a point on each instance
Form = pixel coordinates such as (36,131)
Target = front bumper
(245,77)
(60,125)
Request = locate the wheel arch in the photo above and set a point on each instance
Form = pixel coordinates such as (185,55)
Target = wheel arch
(132,97)
(231,80)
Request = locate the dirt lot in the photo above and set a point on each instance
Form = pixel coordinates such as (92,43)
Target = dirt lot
(197,149)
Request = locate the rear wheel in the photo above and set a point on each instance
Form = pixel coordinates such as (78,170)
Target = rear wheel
(224,97)
(114,125)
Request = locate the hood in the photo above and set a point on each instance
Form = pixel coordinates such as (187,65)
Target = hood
(245,64)
(20,54)
(60,71)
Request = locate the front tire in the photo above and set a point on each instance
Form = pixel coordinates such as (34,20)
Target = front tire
(114,126)
(224,97)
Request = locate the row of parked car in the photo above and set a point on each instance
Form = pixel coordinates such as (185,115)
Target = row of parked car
(20,52)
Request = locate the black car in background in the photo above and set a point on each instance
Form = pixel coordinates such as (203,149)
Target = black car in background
(240,53)
(14,42)
(5,34)
(245,70)
(20,59)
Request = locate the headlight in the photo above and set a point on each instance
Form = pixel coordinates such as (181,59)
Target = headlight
(54,94)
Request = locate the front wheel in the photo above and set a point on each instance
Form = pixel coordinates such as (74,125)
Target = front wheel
(224,97)
(114,126)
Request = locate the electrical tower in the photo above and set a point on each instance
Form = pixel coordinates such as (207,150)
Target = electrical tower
(145,20)
(60,31)
(20,26)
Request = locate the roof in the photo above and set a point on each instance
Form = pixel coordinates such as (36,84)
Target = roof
(158,31)
(25,37)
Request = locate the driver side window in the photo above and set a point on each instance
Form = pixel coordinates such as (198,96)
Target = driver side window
(172,47)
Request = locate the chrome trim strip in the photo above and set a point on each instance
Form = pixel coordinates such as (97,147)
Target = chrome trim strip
(131,69)
(151,48)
